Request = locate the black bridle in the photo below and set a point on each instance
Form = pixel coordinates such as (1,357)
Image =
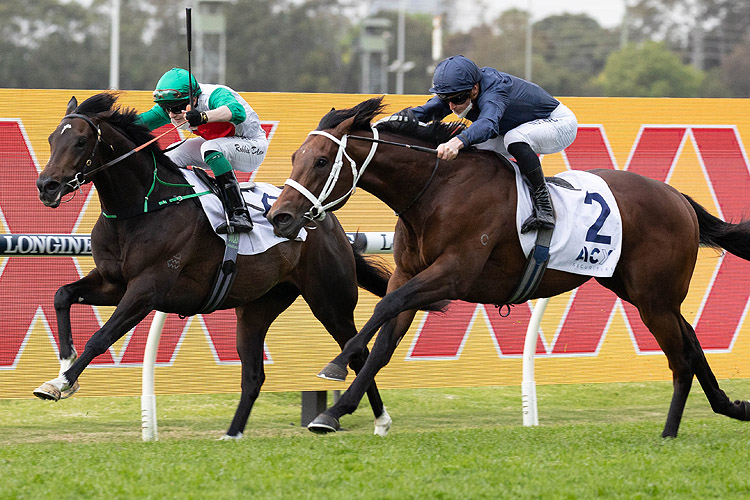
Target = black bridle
(86,176)
(82,177)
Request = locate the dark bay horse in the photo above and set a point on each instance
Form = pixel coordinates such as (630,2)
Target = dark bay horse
(456,239)
(135,269)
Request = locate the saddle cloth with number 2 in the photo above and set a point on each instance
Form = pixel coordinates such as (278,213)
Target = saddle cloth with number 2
(588,228)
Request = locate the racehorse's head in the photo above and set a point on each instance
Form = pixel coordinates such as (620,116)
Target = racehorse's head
(73,146)
(321,177)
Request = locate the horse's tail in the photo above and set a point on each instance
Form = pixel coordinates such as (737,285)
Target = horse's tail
(372,274)
(715,233)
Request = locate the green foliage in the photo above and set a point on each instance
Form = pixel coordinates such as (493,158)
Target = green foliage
(286,46)
(595,441)
(649,70)
(313,46)
(418,37)
(51,44)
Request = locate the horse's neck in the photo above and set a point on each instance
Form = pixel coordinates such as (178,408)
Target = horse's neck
(125,184)
(409,182)
(395,175)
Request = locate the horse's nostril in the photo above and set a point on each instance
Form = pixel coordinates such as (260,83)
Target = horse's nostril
(47,186)
(51,187)
(281,219)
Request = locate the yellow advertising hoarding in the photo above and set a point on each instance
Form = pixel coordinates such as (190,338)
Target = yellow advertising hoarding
(696,145)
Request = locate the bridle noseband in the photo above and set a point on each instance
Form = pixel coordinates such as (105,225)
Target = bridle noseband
(318,210)
(82,177)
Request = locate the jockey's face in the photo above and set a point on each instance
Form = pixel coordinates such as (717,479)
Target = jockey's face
(459,108)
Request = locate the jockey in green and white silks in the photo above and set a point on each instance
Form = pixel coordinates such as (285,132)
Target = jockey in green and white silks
(229,135)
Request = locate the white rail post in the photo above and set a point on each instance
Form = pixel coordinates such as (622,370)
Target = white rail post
(528,384)
(149,431)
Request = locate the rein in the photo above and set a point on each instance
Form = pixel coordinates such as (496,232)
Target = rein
(82,178)
(408,146)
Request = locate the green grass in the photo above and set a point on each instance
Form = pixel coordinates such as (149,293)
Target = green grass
(593,441)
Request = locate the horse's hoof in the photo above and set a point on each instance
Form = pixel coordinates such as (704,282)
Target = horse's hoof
(227,437)
(323,424)
(383,424)
(333,372)
(70,390)
(745,406)
(47,391)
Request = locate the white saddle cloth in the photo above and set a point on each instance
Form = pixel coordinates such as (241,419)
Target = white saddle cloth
(588,228)
(262,195)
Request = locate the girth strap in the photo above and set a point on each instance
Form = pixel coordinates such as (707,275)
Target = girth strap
(533,272)
(225,276)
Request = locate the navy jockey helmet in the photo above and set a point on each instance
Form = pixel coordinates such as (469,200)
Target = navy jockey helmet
(455,74)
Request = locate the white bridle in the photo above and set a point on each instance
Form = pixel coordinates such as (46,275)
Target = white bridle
(318,210)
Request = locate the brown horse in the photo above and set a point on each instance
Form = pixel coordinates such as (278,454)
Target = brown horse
(133,253)
(456,239)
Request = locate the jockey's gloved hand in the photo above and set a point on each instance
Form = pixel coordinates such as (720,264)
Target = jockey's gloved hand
(407,114)
(196,118)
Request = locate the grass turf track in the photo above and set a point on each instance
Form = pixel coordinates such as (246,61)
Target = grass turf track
(594,441)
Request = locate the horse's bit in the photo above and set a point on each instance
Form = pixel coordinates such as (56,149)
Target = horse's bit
(81,178)
(318,210)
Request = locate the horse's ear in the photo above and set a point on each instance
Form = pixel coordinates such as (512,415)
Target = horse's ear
(72,105)
(345,126)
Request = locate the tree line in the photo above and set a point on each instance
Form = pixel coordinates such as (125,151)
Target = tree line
(665,48)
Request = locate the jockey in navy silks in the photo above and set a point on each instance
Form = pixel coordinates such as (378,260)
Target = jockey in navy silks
(229,135)
(509,115)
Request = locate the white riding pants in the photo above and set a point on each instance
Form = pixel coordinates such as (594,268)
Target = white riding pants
(244,154)
(545,135)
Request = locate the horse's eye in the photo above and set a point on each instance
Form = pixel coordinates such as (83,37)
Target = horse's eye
(321,162)
(81,142)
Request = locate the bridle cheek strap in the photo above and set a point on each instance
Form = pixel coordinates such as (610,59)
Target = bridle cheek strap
(318,210)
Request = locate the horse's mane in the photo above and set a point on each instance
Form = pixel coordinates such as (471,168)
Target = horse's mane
(405,123)
(402,123)
(363,114)
(125,120)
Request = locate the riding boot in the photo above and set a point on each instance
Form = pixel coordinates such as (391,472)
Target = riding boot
(528,163)
(232,199)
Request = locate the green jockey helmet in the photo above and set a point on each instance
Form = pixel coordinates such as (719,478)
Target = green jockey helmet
(173,86)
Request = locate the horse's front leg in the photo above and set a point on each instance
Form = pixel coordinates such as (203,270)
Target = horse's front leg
(135,305)
(90,290)
(430,286)
(387,308)
(385,344)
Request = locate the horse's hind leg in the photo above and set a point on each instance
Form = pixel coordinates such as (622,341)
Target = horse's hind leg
(666,326)
(719,401)
(253,321)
